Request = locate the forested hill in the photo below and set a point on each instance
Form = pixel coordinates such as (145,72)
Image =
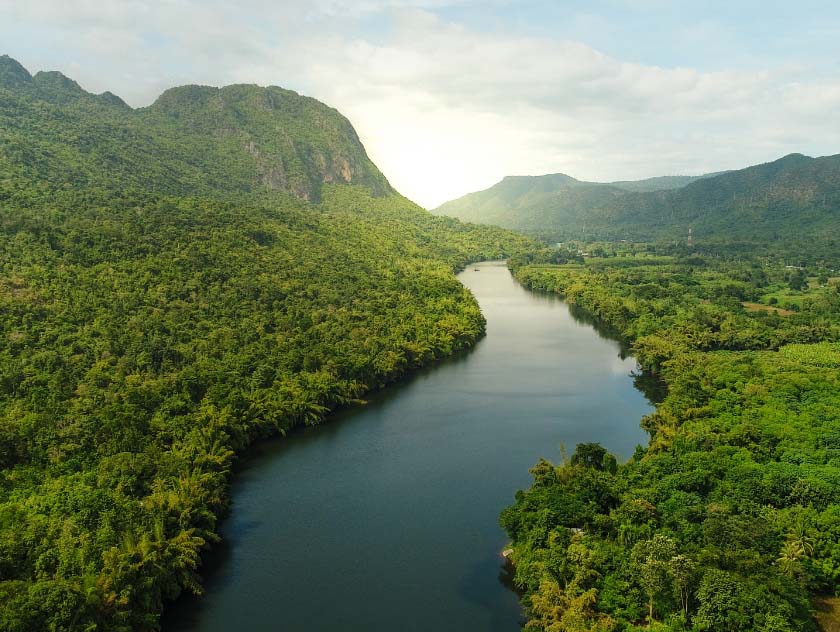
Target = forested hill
(795,197)
(176,282)
(512,200)
(729,519)
(191,140)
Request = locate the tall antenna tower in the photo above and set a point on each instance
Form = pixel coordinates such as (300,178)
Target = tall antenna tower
(690,241)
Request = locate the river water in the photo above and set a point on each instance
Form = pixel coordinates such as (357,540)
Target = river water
(386,518)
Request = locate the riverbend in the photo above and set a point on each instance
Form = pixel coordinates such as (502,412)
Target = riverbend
(386,518)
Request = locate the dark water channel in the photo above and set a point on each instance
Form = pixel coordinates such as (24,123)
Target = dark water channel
(387,518)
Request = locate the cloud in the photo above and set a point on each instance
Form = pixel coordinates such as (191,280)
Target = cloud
(488,105)
(445,106)
(362,7)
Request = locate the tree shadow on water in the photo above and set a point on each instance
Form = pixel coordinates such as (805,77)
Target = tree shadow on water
(501,602)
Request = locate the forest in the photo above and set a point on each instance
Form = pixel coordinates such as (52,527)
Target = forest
(793,198)
(181,280)
(728,519)
(175,284)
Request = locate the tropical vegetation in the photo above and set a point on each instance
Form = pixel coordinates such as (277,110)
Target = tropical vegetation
(794,198)
(729,518)
(175,283)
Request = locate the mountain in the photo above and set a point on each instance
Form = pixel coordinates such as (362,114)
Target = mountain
(528,202)
(531,202)
(793,197)
(240,138)
(179,281)
(661,183)
(12,74)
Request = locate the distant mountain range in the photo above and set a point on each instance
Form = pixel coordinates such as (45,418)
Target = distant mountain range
(795,196)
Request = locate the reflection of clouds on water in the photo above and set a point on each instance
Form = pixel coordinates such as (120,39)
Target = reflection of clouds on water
(624,366)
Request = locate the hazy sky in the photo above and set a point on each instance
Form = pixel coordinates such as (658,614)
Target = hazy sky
(449,96)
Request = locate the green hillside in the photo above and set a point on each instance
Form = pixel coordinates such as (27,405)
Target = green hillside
(176,282)
(533,203)
(661,183)
(728,519)
(794,197)
(192,140)
(530,201)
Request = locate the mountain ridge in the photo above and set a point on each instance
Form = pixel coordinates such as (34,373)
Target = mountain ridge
(793,195)
(240,138)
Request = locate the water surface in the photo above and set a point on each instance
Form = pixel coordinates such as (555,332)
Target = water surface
(387,518)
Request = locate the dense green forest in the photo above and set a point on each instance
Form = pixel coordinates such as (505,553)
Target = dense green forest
(729,519)
(178,281)
(794,197)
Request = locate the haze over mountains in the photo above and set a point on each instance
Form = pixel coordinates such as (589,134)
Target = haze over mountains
(795,196)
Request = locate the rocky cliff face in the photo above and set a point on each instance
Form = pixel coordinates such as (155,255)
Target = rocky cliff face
(192,140)
(296,143)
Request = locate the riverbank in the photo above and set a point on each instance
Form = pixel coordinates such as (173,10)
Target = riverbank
(395,506)
(734,494)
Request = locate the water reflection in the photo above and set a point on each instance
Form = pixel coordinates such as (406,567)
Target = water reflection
(651,385)
(388,517)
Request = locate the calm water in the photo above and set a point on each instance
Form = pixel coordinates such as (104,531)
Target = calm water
(387,519)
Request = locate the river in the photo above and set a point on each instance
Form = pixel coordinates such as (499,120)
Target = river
(386,518)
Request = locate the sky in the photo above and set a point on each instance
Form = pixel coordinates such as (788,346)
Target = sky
(450,96)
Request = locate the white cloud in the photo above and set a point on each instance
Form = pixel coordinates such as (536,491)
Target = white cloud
(482,106)
(444,108)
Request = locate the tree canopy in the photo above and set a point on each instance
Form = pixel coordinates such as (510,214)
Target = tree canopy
(175,283)
(729,518)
